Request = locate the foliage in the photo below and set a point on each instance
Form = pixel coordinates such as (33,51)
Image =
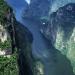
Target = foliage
(5,45)
(3,9)
(8,66)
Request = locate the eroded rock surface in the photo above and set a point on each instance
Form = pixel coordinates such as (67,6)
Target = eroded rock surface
(61,31)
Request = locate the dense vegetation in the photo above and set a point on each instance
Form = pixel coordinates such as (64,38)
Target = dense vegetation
(5,45)
(8,64)
(3,9)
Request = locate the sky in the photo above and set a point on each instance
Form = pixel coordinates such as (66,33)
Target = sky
(17,4)
(28,1)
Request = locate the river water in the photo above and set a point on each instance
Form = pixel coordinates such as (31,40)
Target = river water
(41,48)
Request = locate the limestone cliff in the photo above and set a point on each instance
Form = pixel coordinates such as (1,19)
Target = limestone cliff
(61,31)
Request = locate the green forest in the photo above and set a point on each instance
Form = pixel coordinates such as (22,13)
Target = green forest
(8,63)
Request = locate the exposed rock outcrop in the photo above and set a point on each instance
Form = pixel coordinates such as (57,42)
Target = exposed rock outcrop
(61,31)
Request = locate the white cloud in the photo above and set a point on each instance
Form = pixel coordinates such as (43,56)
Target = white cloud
(28,1)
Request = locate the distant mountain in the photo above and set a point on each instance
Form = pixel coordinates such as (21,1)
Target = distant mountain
(37,9)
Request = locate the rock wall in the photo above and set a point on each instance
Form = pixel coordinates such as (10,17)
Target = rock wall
(61,31)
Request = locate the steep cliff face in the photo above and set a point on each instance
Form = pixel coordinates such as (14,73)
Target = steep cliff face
(5,42)
(29,64)
(61,31)
(23,41)
(8,60)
